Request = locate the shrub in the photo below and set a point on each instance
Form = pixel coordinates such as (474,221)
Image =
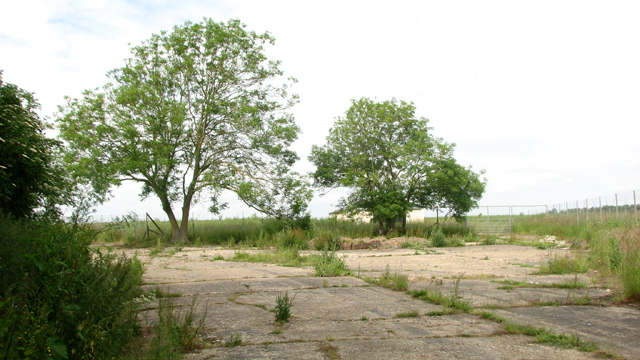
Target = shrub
(283,306)
(60,298)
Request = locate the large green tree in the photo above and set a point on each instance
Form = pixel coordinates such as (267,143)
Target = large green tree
(193,112)
(31,178)
(391,164)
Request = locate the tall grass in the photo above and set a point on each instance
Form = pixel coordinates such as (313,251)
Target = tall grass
(613,247)
(266,233)
(630,264)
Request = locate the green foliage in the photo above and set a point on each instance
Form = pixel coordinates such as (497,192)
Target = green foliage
(410,314)
(294,238)
(283,306)
(565,264)
(234,340)
(283,257)
(31,177)
(548,336)
(198,109)
(392,164)
(489,240)
(452,303)
(629,271)
(395,281)
(327,240)
(177,331)
(328,264)
(437,239)
(58,295)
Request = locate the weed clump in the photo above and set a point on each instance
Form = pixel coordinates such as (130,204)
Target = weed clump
(283,306)
(327,239)
(176,332)
(328,264)
(437,238)
(565,264)
(394,281)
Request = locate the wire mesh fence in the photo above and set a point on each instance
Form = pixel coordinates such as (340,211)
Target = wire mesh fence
(501,219)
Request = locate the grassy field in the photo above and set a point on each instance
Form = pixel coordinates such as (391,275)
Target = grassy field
(608,244)
(264,233)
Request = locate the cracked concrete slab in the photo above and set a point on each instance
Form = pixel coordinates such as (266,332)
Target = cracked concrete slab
(614,328)
(347,318)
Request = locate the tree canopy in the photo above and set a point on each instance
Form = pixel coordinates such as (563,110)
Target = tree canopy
(31,178)
(391,164)
(195,111)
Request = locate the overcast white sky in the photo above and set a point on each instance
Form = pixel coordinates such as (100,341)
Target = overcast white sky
(543,95)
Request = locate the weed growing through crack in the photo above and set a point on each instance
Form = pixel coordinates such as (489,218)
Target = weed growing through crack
(548,336)
(283,306)
(543,335)
(511,284)
(176,331)
(159,293)
(234,340)
(394,281)
(410,314)
(452,303)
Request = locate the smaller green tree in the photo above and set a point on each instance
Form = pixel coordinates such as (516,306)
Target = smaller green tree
(31,178)
(391,164)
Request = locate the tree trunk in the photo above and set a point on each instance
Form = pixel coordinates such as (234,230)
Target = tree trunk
(178,235)
(381,225)
(404,223)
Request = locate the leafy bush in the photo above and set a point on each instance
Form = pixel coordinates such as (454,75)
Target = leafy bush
(61,299)
(328,264)
(31,180)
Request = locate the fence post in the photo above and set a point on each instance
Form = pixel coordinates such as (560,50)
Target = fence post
(586,205)
(600,205)
(577,213)
(635,206)
(616,206)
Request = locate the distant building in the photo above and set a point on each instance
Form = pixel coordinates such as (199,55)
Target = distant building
(415,215)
